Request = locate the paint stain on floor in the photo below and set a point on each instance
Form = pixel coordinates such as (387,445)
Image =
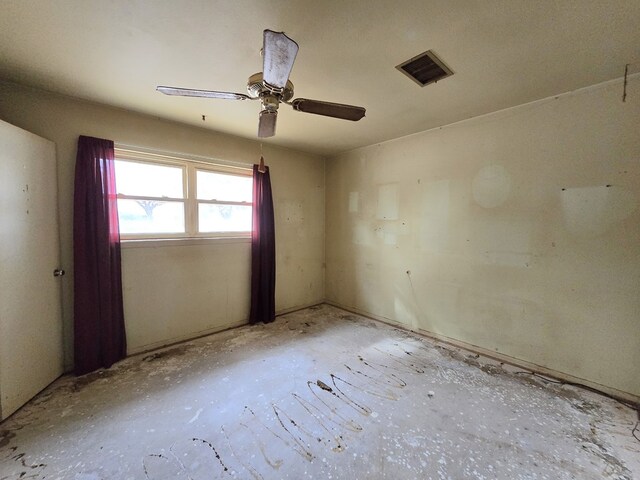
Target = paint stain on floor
(320,393)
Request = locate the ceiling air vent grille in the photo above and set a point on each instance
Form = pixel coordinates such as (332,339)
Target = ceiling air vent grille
(425,68)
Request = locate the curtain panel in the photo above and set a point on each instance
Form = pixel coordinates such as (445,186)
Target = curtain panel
(99,332)
(263,250)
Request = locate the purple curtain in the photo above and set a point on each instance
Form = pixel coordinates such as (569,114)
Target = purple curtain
(263,251)
(99,334)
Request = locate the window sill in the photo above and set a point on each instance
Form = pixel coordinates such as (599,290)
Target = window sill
(179,242)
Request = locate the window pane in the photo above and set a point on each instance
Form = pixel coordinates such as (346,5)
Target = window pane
(150,216)
(221,187)
(224,218)
(148,180)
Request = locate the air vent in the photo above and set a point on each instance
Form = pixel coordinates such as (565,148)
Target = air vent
(425,68)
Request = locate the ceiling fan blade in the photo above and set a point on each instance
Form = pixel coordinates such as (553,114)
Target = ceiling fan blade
(279,52)
(267,123)
(328,109)
(189,92)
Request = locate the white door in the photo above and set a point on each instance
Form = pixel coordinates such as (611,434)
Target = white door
(31,355)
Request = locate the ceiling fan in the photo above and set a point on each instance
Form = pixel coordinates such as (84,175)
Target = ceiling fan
(272,87)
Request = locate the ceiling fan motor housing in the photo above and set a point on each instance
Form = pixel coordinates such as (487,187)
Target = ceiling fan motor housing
(257,88)
(269,102)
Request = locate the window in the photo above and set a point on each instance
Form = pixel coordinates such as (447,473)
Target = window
(166,197)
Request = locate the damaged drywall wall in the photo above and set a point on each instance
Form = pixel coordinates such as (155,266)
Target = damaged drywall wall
(517,232)
(176,292)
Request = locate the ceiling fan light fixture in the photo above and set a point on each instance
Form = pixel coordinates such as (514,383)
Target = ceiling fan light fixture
(269,102)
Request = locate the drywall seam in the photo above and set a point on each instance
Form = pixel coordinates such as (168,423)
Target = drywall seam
(517,362)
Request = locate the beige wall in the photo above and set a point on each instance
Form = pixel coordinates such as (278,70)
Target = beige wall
(175,292)
(512,240)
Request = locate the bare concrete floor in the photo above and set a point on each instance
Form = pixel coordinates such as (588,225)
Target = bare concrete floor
(319,394)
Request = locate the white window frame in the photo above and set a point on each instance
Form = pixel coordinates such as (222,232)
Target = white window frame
(190,200)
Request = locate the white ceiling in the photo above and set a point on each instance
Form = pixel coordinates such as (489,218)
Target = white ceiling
(503,53)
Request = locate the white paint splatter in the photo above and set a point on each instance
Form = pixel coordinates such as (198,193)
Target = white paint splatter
(195,417)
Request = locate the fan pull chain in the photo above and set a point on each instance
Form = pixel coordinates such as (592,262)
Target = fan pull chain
(261,168)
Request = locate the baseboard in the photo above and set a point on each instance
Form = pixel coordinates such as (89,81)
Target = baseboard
(517,362)
(298,308)
(184,338)
(204,333)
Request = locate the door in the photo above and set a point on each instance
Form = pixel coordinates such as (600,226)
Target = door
(31,355)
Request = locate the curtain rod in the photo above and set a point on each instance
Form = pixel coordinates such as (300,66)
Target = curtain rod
(186,156)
